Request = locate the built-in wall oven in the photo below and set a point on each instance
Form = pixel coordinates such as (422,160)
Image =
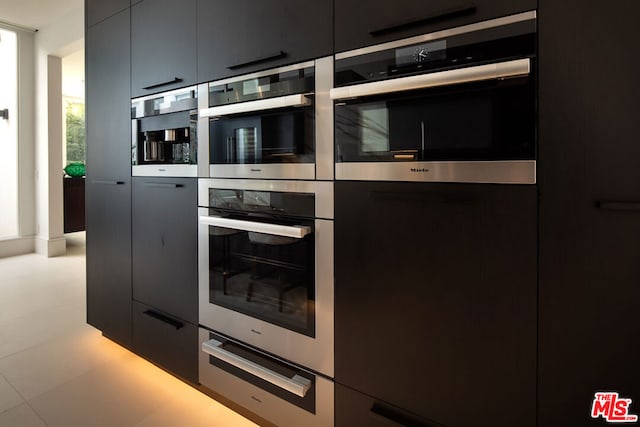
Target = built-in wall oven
(164,134)
(452,106)
(266,266)
(274,124)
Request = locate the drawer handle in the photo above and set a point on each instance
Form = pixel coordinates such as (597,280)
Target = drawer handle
(448,13)
(267,58)
(163,185)
(104,182)
(297,385)
(165,83)
(619,206)
(164,319)
(399,418)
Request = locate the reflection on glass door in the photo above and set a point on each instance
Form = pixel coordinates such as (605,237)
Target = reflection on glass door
(8,135)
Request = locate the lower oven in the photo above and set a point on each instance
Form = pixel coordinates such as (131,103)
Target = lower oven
(266,266)
(280,392)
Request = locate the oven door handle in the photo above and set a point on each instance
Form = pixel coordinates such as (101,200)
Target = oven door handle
(295,231)
(498,70)
(298,100)
(297,385)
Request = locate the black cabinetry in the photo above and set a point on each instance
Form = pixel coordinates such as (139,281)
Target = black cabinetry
(99,10)
(165,273)
(359,24)
(436,299)
(589,208)
(163,45)
(108,189)
(240,36)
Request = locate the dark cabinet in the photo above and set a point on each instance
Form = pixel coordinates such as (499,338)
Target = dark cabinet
(241,36)
(166,341)
(165,245)
(163,45)
(359,24)
(74,203)
(108,189)
(589,208)
(99,10)
(435,299)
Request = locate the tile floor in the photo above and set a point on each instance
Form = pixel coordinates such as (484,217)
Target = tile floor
(57,371)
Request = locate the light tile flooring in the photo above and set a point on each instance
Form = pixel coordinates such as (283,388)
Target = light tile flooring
(57,371)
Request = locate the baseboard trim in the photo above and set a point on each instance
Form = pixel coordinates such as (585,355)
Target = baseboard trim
(17,246)
(51,247)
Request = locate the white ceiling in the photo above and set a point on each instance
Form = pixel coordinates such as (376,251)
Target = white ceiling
(36,13)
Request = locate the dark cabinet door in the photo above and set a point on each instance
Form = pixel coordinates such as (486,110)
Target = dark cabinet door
(589,208)
(359,24)
(163,45)
(99,10)
(108,189)
(109,258)
(435,290)
(241,36)
(165,245)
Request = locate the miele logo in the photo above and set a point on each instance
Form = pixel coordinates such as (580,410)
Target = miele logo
(419,170)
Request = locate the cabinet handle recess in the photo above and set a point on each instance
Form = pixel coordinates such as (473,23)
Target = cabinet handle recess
(164,319)
(399,418)
(163,185)
(267,58)
(103,182)
(166,83)
(619,206)
(448,13)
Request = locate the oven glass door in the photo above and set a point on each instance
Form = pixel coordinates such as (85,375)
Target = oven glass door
(492,120)
(281,136)
(265,270)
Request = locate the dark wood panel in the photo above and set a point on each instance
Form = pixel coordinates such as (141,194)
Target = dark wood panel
(74,204)
(99,10)
(436,298)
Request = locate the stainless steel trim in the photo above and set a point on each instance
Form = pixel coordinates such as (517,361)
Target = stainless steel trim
(262,73)
(264,171)
(270,407)
(297,231)
(497,172)
(142,99)
(134,142)
(515,68)
(323,191)
(298,100)
(297,385)
(492,23)
(324,119)
(203,132)
(186,171)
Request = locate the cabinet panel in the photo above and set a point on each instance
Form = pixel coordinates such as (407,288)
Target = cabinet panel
(98,10)
(165,245)
(166,341)
(589,208)
(163,45)
(436,298)
(359,24)
(108,99)
(108,189)
(109,259)
(241,36)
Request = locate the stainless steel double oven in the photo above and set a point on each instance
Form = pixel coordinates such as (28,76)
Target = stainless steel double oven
(266,242)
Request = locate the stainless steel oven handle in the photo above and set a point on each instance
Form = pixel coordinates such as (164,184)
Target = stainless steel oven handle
(298,100)
(296,231)
(498,70)
(297,385)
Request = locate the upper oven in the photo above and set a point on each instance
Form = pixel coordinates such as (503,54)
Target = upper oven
(453,106)
(266,266)
(164,134)
(274,124)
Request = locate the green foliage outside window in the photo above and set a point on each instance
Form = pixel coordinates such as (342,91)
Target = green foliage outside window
(75,133)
